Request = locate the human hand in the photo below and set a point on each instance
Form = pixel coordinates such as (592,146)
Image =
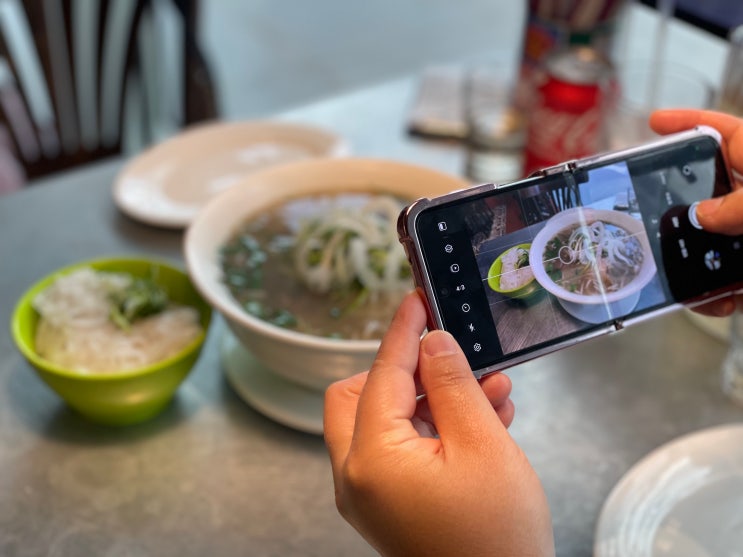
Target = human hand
(722,215)
(438,475)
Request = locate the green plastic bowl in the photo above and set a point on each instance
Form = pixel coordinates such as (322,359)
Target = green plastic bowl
(494,277)
(115,398)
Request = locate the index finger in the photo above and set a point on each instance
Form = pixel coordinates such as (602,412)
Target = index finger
(339,417)
(729,126)
(721,214)
(388,400)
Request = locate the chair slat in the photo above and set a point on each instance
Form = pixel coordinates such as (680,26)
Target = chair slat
(70,69)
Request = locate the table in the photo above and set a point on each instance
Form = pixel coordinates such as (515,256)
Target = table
(212,476)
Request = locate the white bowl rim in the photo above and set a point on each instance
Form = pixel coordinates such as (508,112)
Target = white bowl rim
(226,305)
(565,218)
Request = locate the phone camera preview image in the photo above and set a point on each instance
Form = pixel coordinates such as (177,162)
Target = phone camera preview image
(568,259)
(531,265)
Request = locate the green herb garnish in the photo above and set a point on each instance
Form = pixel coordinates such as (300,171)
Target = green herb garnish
(141,298)
(522,259)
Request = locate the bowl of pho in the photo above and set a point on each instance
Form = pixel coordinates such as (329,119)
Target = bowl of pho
(113,337)
(303,261)
(596,262)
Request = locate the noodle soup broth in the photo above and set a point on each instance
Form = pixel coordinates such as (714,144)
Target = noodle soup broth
(327,265)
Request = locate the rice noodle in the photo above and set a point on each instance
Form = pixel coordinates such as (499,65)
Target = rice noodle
(512,275)
(595,257)
(79,299)
(347,240)
(75,331)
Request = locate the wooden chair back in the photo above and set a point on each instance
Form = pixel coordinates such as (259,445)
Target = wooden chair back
(86,79)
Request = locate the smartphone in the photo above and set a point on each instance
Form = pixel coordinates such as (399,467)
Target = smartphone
(575,251)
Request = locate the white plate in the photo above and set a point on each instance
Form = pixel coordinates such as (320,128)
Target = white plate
(168,184)
(685,499)
(283,401)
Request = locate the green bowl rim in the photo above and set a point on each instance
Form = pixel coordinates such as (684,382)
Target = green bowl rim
(48,366)
(525,245)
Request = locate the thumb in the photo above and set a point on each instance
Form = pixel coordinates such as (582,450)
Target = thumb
(722,215)
(459,408)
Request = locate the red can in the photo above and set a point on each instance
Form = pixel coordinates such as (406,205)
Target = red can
(566,121)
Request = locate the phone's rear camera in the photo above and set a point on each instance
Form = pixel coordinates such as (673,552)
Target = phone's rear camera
(688,173)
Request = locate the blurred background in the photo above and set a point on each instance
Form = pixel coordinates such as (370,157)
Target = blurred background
(268,55)
(85,79)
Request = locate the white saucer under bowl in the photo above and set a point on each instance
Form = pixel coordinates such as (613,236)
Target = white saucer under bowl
(170,182)
(273,396)
(601,313)
(684,499)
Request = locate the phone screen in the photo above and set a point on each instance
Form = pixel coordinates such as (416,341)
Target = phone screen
(532,264)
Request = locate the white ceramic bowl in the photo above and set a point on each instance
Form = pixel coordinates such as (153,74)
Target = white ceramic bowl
(308,360)
(595,307)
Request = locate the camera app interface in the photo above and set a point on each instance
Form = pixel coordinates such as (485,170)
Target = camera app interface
(526,266)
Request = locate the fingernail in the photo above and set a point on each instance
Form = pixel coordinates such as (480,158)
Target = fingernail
(708,207)
(439,343)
